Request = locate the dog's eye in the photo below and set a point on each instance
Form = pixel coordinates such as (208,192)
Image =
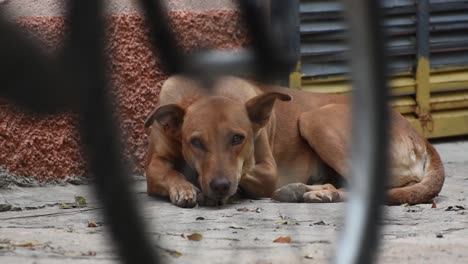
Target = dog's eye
(196,143)
(237,139)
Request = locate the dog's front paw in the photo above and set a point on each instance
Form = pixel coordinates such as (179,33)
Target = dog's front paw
(291,193)
(322,196)
(184,195)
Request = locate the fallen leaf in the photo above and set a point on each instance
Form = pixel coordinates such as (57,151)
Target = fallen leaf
(414,209)
(243,209)
(320,223)
(80,201)
(92,224)
(234,226)
(195,237)
(434,205)
(455,208)
(174,253)
(65,206)
(200,218)
(286,239)
(5,207)
(26,244)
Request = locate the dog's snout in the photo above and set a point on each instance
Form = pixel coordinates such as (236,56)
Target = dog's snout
(220,186)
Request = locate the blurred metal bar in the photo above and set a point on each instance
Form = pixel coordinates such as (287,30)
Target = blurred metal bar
(27,75)
(359,239)
(163,39)
(270,59)
(423,91)
(99,134)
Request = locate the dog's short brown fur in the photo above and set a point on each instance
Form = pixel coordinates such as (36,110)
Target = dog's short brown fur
(235,137)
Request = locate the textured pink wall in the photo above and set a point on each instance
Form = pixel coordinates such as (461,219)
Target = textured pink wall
(48,147)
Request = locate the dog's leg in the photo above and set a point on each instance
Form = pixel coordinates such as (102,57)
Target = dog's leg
(326,130)
(260,181)
(299,192)
(163,180)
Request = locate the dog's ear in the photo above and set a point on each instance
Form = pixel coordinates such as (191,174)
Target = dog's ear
(259,108)
(169,117)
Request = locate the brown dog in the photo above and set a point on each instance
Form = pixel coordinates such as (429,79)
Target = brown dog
(234,137)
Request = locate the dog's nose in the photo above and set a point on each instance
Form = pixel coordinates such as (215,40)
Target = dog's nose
(220,186)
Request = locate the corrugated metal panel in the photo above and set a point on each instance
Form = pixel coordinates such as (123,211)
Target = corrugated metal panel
(430,72)
(324,50)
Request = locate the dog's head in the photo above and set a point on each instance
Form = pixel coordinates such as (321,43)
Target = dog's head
(217,137)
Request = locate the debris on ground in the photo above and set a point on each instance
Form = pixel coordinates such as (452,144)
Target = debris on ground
(234,226)
(5,207)
(319,223)
(414,209)
(80,202)
(200,218)
(195,237)
(455,208)
(92,224)
(285,239)
(246,209)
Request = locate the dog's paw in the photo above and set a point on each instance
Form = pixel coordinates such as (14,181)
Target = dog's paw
(322,196)
(291,193)
(184,196)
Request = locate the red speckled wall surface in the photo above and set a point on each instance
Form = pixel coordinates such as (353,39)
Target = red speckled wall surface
(47,147)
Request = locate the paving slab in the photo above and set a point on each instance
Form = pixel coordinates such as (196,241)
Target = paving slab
(51,228)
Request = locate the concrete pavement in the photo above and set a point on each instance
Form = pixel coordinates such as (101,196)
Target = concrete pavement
(40,225)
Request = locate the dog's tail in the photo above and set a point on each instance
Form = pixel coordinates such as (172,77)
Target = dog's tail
(427,189)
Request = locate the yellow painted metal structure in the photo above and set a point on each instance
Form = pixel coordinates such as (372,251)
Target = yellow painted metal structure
(434,101)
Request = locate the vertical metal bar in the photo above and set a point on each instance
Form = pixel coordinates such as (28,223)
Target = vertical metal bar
(295,77)
(284,22)
(99,135)
(368,177)
(163,40)
(423,92)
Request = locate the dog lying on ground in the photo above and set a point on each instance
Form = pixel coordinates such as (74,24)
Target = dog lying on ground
(207,145)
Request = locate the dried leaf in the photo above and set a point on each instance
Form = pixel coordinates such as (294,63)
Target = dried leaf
(5,207)
(89,253)
(434,205)
(320,223)
(234,226)
(195,237)
(246,209)
(455,208)
(26,244)
(65,206)
(174,253)
(80,201)
(92,224)
(286,239)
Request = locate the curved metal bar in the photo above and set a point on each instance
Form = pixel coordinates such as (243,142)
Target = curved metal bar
(368,177)
(99,133)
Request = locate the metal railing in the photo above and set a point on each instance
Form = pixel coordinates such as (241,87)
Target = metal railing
(38,83)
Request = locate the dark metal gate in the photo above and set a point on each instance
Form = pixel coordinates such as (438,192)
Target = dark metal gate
(76,81)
